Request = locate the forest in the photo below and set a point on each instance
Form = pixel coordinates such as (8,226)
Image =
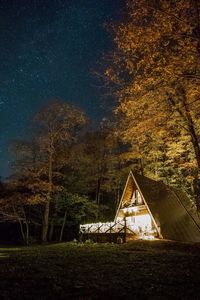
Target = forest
(69,171)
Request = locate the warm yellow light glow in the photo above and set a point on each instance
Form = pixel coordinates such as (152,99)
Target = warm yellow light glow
(141,225)
(148,237)
(101,227)
(134,209)
(130,210)
(143,221)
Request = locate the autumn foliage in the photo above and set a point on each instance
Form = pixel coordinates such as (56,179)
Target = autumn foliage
(154,72)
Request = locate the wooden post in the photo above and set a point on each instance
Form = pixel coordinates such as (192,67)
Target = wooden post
(97,235)
(110,230)
(125,229)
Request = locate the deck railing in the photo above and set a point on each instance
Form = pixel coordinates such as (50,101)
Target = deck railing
(118,227)
(107,227)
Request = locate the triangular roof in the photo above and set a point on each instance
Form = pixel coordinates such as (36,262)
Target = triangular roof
(167,207)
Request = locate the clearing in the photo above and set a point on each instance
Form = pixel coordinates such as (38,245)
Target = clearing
(136,270)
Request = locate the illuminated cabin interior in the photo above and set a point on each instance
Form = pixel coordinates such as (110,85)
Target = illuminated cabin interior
(135,212)
(149,209)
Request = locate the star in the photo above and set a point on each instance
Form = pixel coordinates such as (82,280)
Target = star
(49,50)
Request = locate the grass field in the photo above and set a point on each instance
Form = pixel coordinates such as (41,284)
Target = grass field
(136,270)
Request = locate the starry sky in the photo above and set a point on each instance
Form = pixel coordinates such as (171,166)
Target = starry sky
(49,49)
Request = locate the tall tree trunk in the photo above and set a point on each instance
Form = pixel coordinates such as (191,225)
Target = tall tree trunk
(141,166)
(195,143)
(45,225)
(52,225)
(22,230)
(186,116)
(196,191)
(156,168)
(98,188)
(63,226)
(192,131)
(51,230)
(20,223)
(196,6)
(26,234)
(117,194)
(98,191)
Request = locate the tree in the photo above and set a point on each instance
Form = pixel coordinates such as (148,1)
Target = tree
(95,167)
(58,123)
(73,207)
(40,160)
(102,152)
(155,71)
(17,204)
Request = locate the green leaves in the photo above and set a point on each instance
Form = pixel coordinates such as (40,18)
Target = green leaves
(76,207)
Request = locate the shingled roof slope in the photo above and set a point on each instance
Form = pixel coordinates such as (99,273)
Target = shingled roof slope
(168,210)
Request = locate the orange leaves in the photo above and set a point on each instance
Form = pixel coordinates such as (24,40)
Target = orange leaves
(157,46)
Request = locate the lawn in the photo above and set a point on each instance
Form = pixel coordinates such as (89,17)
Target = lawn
(136,270)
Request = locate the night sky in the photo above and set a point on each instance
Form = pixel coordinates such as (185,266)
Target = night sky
(49,50)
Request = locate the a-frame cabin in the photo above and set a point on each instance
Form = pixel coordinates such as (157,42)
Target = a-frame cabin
(134,209)
(150,206)
(148,209)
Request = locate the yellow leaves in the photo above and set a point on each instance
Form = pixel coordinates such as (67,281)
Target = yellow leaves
(57,119)
(157,46)
(107,72)
(36,199)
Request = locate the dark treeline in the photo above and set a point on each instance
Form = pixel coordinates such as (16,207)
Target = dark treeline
(63,175)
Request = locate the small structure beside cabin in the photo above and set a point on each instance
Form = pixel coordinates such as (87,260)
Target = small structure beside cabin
(148,209)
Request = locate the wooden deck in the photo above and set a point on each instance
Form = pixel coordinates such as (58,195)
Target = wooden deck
(113,232)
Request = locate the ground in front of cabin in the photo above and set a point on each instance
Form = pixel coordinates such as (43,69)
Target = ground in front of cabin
(136,270)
